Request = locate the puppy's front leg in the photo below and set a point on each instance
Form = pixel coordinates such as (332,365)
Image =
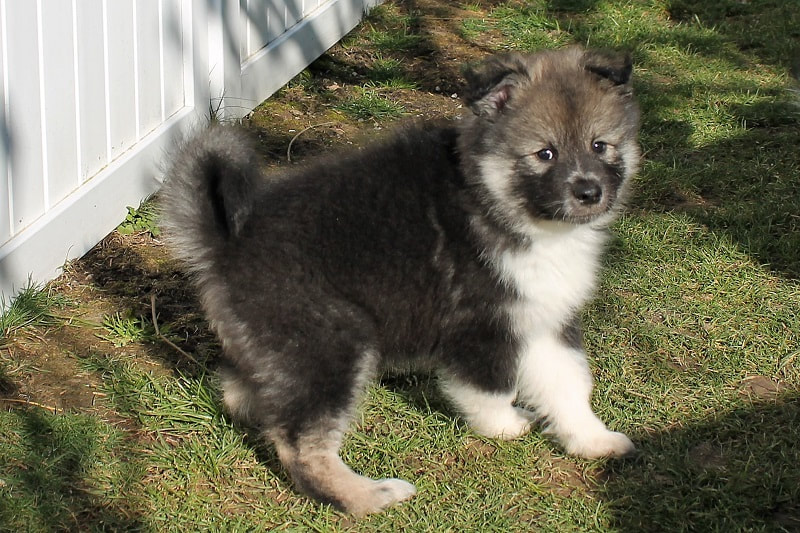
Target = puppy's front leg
(554,379)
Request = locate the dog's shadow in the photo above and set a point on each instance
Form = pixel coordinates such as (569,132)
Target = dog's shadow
(420,391)
(265,453)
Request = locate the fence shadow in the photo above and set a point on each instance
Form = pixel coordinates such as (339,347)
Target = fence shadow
(56,456)
(746,459)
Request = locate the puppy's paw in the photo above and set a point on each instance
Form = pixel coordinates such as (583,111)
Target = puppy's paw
(382,493)
(506,424)
(600,444)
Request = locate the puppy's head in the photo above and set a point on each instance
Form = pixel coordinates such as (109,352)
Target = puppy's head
(553,136)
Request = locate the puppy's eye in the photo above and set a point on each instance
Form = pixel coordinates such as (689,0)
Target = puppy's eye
(548,154)
(599,147)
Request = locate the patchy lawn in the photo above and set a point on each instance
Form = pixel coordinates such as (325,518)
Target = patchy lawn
(110,418)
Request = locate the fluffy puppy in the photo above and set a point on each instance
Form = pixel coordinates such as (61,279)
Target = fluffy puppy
(466,249)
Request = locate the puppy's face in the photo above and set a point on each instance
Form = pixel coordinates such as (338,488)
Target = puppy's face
(554,137)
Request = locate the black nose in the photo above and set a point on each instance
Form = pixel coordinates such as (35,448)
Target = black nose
(587,192)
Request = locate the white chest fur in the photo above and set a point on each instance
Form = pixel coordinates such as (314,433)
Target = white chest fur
(554,277)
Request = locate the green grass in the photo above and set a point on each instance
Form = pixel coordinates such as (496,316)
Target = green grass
(394,40)
(392,29)
(474,28)
(694,333)
(685,321)
(369,103)
(64,472)
(33,306)
(389,28)
(388,72)
(529,26)
(122,329)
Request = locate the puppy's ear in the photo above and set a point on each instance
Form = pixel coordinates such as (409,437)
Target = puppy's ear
(613,66)
(492,83)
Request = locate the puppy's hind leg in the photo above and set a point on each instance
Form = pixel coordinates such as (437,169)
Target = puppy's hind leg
(312,460)
(300,383)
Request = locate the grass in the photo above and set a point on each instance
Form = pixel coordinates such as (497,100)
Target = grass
(63,472)
(33,306)
(695,330)
(473,28)
(394,40)
(369,103)
(388,73)
(122,329)
(529,26)
(391,29)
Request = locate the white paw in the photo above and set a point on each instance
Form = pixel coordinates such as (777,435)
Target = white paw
(383,493)
(600,444)
(506,424)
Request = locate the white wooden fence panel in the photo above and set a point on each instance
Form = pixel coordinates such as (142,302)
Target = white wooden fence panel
(94,92)
(268,69)
(5,159)
(309,6)
(122,98)
(276,25)
(59,96)
(294,12)
(27,172)
(91,86)
(173,33)
(282,15)
(255,23)
(148,66)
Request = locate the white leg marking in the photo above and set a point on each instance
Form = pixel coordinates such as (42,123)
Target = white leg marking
(555,380)
(490,414)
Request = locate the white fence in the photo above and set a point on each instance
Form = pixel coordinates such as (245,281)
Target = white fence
(94,91)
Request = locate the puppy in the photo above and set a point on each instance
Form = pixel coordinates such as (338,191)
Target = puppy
(466,249)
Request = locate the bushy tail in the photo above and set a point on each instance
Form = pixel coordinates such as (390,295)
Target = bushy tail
(209,191)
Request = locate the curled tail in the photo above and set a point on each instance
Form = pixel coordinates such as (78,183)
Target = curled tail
(209,191)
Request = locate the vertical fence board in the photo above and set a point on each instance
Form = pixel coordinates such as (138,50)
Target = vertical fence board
(294,12)
(121,75)
(25,114)
(277,19)
(148,74)
(5,201)
(59,100)
(256,15)
(173,49)
(244,27)
(310,6)
(196,55)
(91,87)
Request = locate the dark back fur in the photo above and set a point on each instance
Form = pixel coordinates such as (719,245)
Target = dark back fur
(384,227)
